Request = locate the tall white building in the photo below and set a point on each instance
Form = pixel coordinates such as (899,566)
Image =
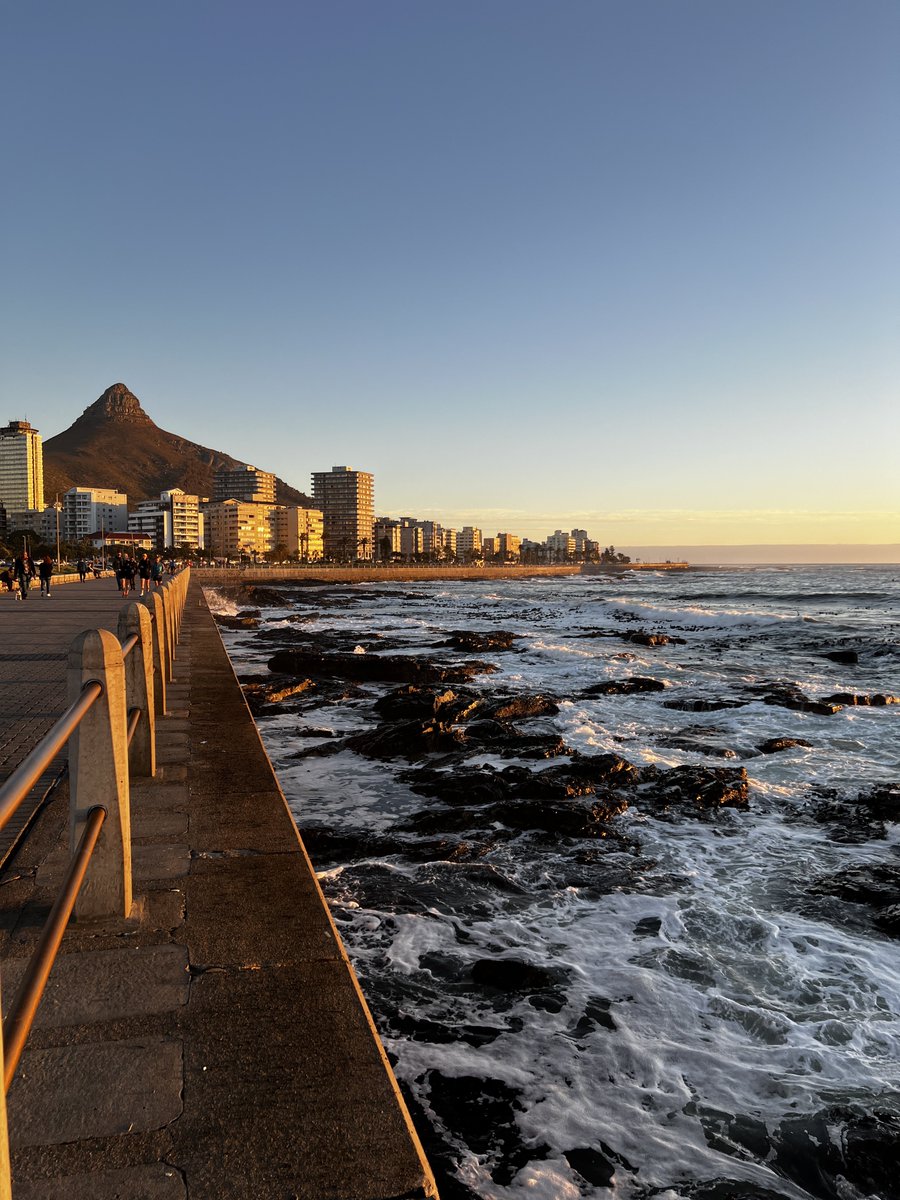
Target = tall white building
(89,510)
(175,519)
(21,468)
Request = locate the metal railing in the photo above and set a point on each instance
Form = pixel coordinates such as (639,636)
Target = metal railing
(117,689)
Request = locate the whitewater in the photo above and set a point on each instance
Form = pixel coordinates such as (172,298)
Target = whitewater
(710,1005)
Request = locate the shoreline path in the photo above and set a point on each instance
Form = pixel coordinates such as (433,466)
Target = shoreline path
(216,1046)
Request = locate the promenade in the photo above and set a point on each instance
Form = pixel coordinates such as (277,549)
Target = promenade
(216,1045)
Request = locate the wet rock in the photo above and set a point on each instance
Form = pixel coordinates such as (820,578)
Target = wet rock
(695,738)
(506,740)
(380,667)
(511,975)
(858,818)
(641,637)
(265,597)
(518,708)
(259,695)
(693,790)
(625,687)
(593,1167)
(774,745)
(419,703)
(851,699)
(408,739)
(478,643)
(848,657)
(876,885)
(789,696)
(465,785)
(325,750)
(237,622)
(305,731)
(702,704)
(841,1150)
(559,817)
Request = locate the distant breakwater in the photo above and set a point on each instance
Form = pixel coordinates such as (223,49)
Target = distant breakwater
(399,574)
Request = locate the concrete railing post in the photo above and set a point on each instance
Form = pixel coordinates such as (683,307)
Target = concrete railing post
(165,594)
(139,687)
(98,775)
(154,605)
(5,1178)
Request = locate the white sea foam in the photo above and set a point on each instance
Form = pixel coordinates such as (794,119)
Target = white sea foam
(722,985)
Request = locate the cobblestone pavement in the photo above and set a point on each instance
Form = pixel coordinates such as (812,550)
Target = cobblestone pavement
(35,635)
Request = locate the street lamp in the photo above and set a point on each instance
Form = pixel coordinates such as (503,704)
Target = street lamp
(57,506)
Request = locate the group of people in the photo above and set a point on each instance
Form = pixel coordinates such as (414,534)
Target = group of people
(19,577)
(148,570)
(128,569)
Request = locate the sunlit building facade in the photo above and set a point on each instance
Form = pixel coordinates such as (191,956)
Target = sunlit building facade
(21,468)
(346,499)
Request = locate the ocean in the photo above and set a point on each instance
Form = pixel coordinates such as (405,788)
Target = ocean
(620,943)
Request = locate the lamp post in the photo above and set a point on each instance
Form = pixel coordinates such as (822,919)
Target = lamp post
(57,506)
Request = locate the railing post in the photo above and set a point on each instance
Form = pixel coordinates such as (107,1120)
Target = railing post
(139,687)
(165,593)
(98,775)
(5,1182)
(154,603)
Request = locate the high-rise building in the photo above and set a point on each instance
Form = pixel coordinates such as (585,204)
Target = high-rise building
(88,510)
(561,545)
(244,483)
(347,501)
(21,468)
(508,546)
(175,519)
(234,527)
(387,538)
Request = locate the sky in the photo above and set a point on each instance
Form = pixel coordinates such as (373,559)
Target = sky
(623,266)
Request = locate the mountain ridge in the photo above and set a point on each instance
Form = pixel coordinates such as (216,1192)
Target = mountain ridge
(116,444)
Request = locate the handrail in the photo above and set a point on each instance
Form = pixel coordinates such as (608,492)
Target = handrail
(29,771)
(22,1011)
(118,744)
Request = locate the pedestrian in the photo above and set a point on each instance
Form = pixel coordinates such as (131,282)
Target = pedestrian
(6,578)
(156,573)
(82,568)
(23,572)
(145,571)
(128,571)
(45,570)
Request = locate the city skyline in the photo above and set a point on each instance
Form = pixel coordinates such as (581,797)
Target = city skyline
(551,266)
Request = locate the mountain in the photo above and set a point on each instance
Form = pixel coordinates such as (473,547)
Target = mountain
(114,444)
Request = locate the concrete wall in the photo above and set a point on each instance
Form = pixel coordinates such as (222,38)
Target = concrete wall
(373,574)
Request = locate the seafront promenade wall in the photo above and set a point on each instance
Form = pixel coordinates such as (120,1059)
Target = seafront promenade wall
(323,574)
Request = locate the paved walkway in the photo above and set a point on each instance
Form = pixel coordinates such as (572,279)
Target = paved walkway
(216,1046)
(35,635)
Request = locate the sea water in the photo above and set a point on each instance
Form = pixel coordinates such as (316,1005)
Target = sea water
(714,1024)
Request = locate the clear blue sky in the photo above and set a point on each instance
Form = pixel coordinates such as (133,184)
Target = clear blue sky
(626,265)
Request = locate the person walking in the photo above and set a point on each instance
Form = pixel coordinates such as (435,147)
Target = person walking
(82,568)
(145,571)
(156,573)
(23,572)
(129,570)
(45,571)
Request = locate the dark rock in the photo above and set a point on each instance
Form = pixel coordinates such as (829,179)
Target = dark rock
(421,704)
(265,597)
(478,643)
(408,739)
(593,1167)
(237,622)
(641,637)
(842,1150)
(852,699)
(773,745)
(694,738)
(843,656)
(625,687)
(700,704)
(874,884)
(382,667)
(511,975)
(258,695)
(691,790)
(521,708)
(308,731)
(789,696)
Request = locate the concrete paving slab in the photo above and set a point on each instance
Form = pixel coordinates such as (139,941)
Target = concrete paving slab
(152,1181)
(160,862)
(105,985)
(68,1093)
(155,825)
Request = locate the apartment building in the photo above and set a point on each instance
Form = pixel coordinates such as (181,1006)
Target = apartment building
(87,510)
(346,499)
(387,539)
(299,530)
(21,468)
(244,483)
(234,527)
(508,547)
(561,545)
(175,519)
(469,542)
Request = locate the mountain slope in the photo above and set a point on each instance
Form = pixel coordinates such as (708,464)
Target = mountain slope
(114,444)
